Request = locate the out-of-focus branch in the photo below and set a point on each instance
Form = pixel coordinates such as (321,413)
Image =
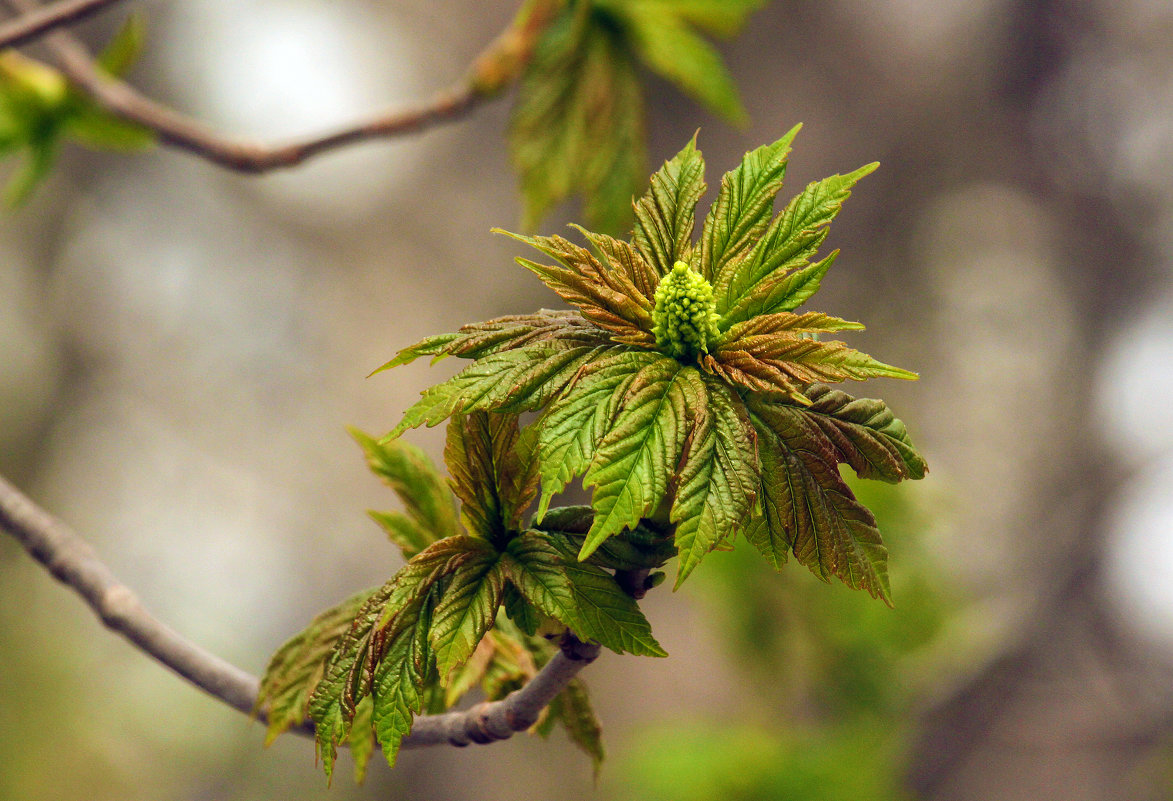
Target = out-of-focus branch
(497,67)
(36,23)
(73,562)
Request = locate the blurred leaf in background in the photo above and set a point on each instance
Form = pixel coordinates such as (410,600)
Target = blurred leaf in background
(832,676)
(39,110)
(578,124)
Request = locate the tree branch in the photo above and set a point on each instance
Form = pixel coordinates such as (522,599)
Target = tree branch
(73,562)
(499,720)
(491,72)
(35,23)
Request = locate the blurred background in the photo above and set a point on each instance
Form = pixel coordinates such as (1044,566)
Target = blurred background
(181,348)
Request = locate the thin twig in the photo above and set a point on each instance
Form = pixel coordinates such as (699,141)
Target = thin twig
(33,24)
(73,562)
(490,73)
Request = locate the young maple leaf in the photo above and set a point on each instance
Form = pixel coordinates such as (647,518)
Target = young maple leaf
(684,387)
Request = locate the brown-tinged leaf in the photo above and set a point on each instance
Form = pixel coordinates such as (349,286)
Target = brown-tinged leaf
(782,363)
(506,333)
(606,297)
(866,435)
(299,664)
(808,508)
(622,257)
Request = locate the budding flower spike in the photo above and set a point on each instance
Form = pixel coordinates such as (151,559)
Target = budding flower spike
(684,388)
(685,317)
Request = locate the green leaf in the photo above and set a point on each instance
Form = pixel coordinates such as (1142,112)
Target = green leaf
(398,681)
(298,665)
(404,533)
(666,214)
(781,292)
(470,674)
(583,597)
(436,346)
(669,46)
(720,17)
(538,572)
(744,206)
(632,549)
(362,737)
(577,126)
(718,477)
(807,504)
(608,615)
(33,170)
(578,418)
(792,240)
(411,474)
(505,333)
(572,708)
(124,49)
(637,458)
(99,130)
(510,381)
(521,611)
(467,610)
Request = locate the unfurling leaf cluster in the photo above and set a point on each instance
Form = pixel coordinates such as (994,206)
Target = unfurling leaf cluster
(684,388)
(467,611)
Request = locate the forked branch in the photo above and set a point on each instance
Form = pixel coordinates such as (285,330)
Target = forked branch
(73,562)
(36,23)
(497,66)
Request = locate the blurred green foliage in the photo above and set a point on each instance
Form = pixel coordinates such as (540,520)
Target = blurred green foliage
(39,110)
(833,678)
(578,123)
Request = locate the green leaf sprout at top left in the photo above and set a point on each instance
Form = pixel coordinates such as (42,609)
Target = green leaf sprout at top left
(684,387)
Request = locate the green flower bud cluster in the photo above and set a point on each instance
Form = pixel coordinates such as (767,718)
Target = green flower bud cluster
(685,315)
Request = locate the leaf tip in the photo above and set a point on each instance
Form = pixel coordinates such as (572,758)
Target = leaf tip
(864,171)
